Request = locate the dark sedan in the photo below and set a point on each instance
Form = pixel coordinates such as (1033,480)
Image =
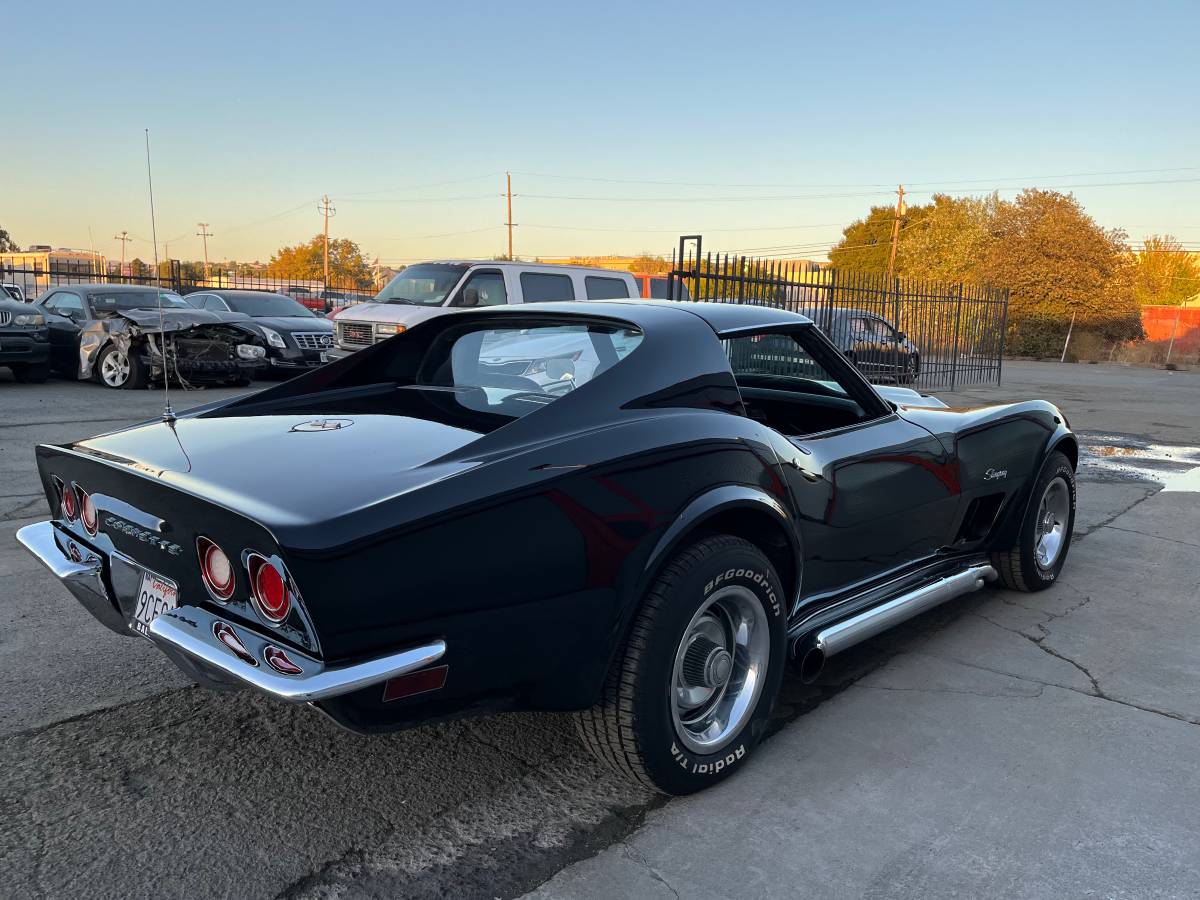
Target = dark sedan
(295,337)
(871,342)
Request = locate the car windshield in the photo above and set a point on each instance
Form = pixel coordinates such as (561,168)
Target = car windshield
(426,284)
(266,305)
(112,301)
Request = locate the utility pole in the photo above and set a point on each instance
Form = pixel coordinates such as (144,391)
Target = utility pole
(326,210)
(509,223)
(900,210)
(124,238)
(206,234)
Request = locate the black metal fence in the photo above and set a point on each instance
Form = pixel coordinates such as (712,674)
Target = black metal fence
(902,330)
(313,293)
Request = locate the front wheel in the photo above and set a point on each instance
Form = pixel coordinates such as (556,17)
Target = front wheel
(1036,560)
(688,697)
(120,369)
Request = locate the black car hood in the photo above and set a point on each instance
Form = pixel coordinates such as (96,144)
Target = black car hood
(290,324)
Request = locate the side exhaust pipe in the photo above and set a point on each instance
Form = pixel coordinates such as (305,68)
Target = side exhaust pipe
(813,649)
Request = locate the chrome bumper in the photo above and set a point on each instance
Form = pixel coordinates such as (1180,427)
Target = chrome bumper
(188,635)
(83,577)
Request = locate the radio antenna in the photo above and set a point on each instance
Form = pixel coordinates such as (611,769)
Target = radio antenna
(168,415)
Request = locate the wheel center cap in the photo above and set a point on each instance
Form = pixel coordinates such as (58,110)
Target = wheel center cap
(718,667)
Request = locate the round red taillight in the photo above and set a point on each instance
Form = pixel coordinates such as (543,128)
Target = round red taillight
(87,513)
(70,506)
(215,569)
(268,588)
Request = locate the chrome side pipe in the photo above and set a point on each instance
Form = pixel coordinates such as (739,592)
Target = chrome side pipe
(814,649)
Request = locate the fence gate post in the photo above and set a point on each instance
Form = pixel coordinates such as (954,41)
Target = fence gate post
(954,351)
(1003,336)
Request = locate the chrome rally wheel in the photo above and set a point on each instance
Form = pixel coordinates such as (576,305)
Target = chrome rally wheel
(1053,519)
(719,669)
(687,699)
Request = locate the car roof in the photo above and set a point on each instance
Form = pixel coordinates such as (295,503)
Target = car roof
(242,292)
(521,264)
(104,286)
(726,319)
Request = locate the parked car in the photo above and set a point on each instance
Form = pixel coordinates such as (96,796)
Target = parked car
(870,341)
(656,287)
(295,338)
(24,340)
(419,292)
(13,290)
(126,336)
(649,548)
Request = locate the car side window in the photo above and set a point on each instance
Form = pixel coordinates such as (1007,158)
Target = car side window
(66,303)
(542,287)
(600,287)
(215,303)
(489,287)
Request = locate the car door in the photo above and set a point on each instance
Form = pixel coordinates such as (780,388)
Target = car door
(873,495)
(893,356)
(65,313)
(863,348)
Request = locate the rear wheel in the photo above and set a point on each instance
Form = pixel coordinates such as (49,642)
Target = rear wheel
(1045,536)
(688,697)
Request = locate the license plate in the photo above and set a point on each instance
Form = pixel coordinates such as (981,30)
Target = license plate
(155,596)
(324,357)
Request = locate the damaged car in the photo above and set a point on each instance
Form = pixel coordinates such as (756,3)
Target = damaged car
(127,336)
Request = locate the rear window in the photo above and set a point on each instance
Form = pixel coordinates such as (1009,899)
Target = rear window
(601,288)
(510,372)
(541,287)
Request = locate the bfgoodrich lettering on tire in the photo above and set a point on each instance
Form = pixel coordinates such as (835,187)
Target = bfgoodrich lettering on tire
(1045,536)
(689,695)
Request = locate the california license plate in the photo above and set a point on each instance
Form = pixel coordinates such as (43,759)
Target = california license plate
(155,596)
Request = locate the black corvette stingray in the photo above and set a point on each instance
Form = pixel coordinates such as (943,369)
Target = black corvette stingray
(638,511)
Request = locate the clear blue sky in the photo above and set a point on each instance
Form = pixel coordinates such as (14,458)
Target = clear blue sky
(255,110)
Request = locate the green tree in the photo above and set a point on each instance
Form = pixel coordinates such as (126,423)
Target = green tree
(648,264)
(347,264)
(7,244)
(950,240)
(866,243)
(1165,273)
(1057,261)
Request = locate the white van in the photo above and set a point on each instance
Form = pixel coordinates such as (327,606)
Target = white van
(422,290)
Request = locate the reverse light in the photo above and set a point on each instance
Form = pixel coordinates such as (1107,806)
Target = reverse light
(268,588)
(87,512)
(215,569)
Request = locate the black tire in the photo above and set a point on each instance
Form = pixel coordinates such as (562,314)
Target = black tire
(1019,567)
(632,730)
(137,379)
(31,373)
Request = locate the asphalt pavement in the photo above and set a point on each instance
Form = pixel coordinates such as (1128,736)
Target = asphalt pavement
(1024,745)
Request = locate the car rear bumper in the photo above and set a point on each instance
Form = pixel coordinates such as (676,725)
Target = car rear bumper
(191,636)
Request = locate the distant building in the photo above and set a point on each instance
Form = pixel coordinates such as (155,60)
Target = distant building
(41,266)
